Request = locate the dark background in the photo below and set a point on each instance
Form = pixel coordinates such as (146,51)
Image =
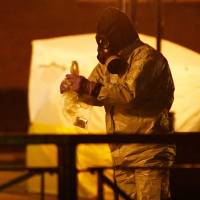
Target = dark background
(22,21)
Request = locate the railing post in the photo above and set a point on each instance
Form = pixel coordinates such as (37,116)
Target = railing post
(42,188)
(116,194)
(100,184)
(67,177)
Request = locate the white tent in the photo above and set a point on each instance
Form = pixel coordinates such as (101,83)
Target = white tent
(51,59)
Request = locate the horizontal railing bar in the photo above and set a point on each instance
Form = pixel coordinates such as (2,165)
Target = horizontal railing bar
(23,168)
(94,169)
(177,137)
(175,166)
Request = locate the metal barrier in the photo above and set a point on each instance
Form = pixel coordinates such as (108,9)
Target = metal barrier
(29,172)
(66,145)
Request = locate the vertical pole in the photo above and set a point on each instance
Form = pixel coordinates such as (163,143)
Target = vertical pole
(159,24)
(42,186)
(129,8)
(67,177)
(100,184)
(122,5)
(134,12)
(116,194)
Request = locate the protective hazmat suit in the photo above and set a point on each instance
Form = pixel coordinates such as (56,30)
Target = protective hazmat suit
(134,84)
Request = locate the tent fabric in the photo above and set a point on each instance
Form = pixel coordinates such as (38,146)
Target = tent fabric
(51,60)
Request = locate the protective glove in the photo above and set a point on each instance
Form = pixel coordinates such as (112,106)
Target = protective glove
(80,85)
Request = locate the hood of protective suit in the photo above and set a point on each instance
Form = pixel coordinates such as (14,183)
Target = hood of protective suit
(117,28)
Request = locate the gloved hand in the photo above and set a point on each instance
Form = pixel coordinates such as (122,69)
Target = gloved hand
(71,83)
(65,86)
(80,85)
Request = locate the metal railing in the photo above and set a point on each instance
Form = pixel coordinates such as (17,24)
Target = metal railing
(66,145)
(29,172)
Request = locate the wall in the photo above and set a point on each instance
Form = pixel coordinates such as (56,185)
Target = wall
(181,22)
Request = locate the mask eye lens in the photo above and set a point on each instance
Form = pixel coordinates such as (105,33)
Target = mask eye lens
(102,42)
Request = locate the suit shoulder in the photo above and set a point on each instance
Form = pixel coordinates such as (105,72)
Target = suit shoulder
(145,51)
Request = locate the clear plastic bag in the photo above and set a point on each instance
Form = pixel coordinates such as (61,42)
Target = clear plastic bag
(74,110)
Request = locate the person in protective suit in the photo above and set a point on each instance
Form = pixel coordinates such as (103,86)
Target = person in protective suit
(134,83)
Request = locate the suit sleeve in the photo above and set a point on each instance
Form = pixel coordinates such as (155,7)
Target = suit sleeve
(97,77)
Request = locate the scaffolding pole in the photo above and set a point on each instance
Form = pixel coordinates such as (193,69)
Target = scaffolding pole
(159,27)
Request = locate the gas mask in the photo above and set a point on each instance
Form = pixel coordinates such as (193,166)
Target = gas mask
(115,64)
